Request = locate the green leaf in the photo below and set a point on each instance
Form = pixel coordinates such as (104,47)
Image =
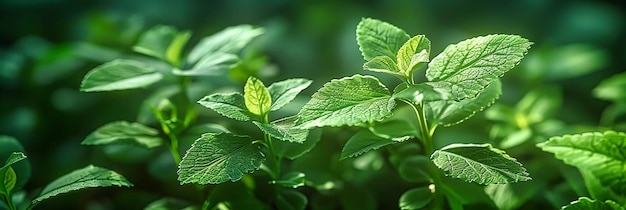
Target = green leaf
(612,88)
(8,177)
(584,203)
(230,40)
(211,65)
(511,196)
(284,131)
(466,68)
(480,163)
(292,179)
(90,176)
(163,42)
(448,113)
(378,38)
(600,153)
(415,169)
(256,97)
(216,158)
(538,105)
(293,151)
(422,92)
(288,199)
(347,101)
(413,52)
(285,91)
(229,105)
(416,198)
(122,132)
(119,75)
(363,141)
(12,151)
(383,64)
(396,130)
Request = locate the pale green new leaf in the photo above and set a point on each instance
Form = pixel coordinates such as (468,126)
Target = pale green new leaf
(90,176)
(466,68)
(8,178)
(230,40)
(480,163)
(284,132)
(416,198)
(378,38)
(218,157)
(122,132)
(415,50)
(256,97)
(119,75)
(285,91)
(363,141)
(347,101)
(448,113)
(584,203)
(163,42)
(383,64)
(230,105)
(600,153)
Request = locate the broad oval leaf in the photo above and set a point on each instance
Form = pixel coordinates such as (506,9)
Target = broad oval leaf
(90,176)
(122,132)
(466,68)
(218,157)
(347,101)
(600,153)
(584,203)
(416,198)
(284,132)
(230,40)
(164,42)
(378,38)
(119,75)
(285,91)
(480,163)
(256,97)
(363,141)
(414,51)
(448,113)
(229,105)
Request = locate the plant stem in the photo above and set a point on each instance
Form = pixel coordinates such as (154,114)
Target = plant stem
(9,201)
(270,147)
(174,147)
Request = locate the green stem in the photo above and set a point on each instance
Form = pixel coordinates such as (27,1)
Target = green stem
(270,147)
(9,201)
(174,147)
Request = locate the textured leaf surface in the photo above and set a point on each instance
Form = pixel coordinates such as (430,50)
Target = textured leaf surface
(284,132)
(416,198)
(122,132)
(90,176)
(414,51)
(466,68)
(256,97)
(347,101)
(230,40)
(601,153)
(285,91)
(378,38)
(480,163)
(217,158)
(164,42)
(363,141)
(585,203)
(119,75)
(383,64)
(230,105)
(449,113)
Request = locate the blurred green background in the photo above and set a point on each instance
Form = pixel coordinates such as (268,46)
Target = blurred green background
(47,46)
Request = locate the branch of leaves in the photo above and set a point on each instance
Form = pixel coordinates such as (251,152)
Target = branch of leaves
(218,157)
(213,55)
(88,177)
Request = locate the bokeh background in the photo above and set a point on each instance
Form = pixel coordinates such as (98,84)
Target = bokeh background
(47,46)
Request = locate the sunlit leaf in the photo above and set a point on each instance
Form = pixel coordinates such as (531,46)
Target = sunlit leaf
(416,198)
(466,68)
(378,38)
(415,51)
(450,112)
(216,158)
(383,64)
(285,91)
(119,75)
(256,97)
(230,105)
(90,176)
(480,163)
(584,203)
(347,101)
(122,132)
(600,153)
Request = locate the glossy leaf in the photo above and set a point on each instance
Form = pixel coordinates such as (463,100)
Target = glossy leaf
(229,105)
(363,141)
(285,91)
(230,40)
(119,75)
(293,151)
(480,163)
(90,176)
(164,42)
(600,153)
(122,132)
(584,203)
(256,97)
(288,199)
(448,113)
(347,101)
(416,198)
(466,68)
(377,38)
(216,158)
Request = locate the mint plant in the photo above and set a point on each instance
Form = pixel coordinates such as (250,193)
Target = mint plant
(460,81)
(16,171)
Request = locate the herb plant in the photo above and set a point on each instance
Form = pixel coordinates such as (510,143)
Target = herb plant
(461,81)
